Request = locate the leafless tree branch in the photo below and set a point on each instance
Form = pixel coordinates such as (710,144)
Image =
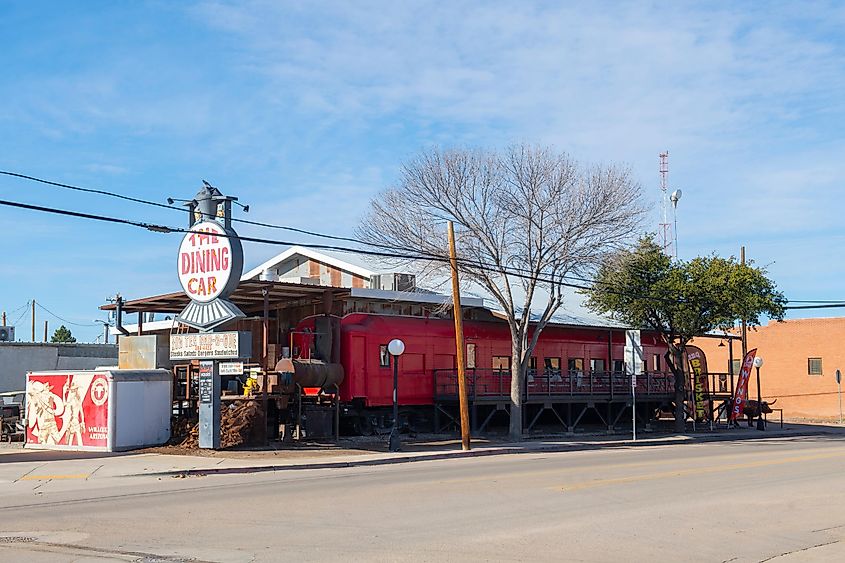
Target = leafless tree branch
(526,210)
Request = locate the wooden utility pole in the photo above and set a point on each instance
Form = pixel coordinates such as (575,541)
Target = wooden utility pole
(459,340)
(4,319)
(744,328)
(45,331)
(33,320)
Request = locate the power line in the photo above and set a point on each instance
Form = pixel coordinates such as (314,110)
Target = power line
(167,206)
(24,306)
(86,190)
(817,300)
(419,256)
(167,229)
(22,314)
(61,318)
(829,306)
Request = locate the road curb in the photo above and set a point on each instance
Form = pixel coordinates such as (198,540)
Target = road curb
(485,452)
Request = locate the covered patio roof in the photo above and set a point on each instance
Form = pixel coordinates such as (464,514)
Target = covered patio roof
(248,296)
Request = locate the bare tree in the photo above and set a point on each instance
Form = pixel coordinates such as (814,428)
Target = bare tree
(526,219)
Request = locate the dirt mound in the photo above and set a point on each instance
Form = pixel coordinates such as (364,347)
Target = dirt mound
(240,424)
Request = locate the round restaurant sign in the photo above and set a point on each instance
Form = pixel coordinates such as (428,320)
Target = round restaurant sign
(206,262)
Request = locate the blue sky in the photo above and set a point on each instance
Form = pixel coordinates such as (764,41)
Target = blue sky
(306,110)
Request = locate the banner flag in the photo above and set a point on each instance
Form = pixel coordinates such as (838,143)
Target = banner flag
(741,393)
(700,382)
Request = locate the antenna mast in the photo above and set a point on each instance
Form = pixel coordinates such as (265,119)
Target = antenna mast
(665,226)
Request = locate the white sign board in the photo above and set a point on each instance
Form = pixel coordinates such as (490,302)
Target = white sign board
(633,353)
(205,261)
(231,368)
(210,345)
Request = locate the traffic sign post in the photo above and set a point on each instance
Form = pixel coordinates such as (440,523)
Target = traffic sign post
(634,405)
(633,366)
(839,384)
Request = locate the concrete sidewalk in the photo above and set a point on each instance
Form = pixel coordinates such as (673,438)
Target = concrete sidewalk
(25,465)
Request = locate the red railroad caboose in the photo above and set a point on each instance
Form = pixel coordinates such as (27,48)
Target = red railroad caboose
(578,365)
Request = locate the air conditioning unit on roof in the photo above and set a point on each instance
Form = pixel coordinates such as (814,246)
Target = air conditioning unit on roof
(7,334)
(394,282)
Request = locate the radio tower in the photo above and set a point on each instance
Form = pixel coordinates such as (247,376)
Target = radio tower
(665,226)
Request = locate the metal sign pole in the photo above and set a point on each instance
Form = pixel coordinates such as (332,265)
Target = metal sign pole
(634,393)
(839,384)
(633,343)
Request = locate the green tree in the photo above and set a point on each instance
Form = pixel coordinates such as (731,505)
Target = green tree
(645,288)
(62,334)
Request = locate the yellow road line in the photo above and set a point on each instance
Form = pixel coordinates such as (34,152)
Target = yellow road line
(52,477)
(694,471)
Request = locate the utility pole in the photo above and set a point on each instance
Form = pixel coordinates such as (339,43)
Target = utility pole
(744,328)
(4,319)
(459,340)
(33,320)
(45,331)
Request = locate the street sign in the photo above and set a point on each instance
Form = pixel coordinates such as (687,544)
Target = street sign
(633,352)
(231,368)
(634,367)
(838,377)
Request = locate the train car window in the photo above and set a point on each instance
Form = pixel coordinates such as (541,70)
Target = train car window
(619,366)
(471,356)
(655,362)
(502,363)
(551,367)
(597,365)
(551,364)
(532,368)
(576,365)
(383,356)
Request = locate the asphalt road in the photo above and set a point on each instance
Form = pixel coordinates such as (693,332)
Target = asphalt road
(761,500)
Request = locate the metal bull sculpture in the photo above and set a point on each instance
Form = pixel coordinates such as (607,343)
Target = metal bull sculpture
(755,409)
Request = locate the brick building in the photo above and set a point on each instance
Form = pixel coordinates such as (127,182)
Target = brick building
(800,359)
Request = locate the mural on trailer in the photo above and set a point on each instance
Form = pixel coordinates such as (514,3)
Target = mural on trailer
(67,409)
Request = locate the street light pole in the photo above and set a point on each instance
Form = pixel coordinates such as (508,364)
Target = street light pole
(758,361)
(396,347)
(105,329)
(676,195)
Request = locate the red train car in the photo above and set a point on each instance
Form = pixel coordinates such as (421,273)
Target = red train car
(582,355)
